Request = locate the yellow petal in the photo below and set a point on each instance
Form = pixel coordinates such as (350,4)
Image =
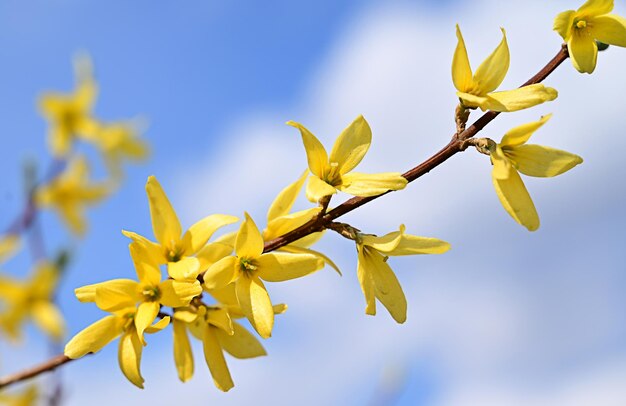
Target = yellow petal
(386,243)
(146,313)
(316,155)
(412,245)
(221,273)
(220,319)
(94,337)
(148,271)
(501,164)
(74,218)
(198,234)
(361,184)
(563,24)
(255,304)
(520,134)
(610,29)
(165,224)
(461,69)
(178,293)
(519,99)
(366,282)
(155,250)
(116,294)
(183,357)
(9,244)
(301,250)
(225,295)
(211,253)
(84,294)
(215,360)
(158,326)
(351,145)
(544,162)
(284,224)
(595,7)
(492,71)
(472,101)
(11,289)
(48,317)
(583,52)
(242,344)
(516,200)
(279,266)
(186,268)
(249,243)
(285,199)
(386,285)
(317,189)
(129,357)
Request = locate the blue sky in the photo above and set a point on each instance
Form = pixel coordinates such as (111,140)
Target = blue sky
(507,317)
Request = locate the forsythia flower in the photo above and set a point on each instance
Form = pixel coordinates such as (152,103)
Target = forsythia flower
(69,192)
(150,292)
(70,115)
(249,266)
(32,299)
(330,173)
(280,222)
(175,248)
(511,155)
(477,90)
(376,276)
(27,397)
(581,28)
(218,333)
(96,336)
(119,141)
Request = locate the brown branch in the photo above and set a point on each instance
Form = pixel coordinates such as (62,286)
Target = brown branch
(322,222)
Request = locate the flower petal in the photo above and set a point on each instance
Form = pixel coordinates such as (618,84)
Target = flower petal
(187,268)
(583,52)
(361,184)
(183,357)
(165,223)
(94,337)
(285,199)
(146,313)
(520,134)
(519,99)
(501,164)
(351,145)
(215,360)
(544,162)
(220,319)
(516,200)
(129,357)
(211,253)
(221,273)
(148,271)
(242,344)
(9,244)
(492,71)
(461,69)
(317,189)
(279,266)
(48,318)
(301,250)
(366,282)
(386,243)
(386,285)
(283,224)
(610,29)
(158,326)
(563,24)
(198,234)
(249,242)
(255,304)
(178,293)
(316,154)
(155,250)
(595,7)
(115,294)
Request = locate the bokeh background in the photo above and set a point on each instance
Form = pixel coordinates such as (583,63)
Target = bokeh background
(507,317)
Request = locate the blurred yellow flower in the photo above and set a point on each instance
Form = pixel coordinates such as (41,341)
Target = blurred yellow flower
(70,192)
(581,28)
(9,245)
(511,155)
(118,142)
(32,299)
(477,89)
(331,173)
(27,397)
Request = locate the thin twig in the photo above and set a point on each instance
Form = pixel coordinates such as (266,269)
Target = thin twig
(49,365)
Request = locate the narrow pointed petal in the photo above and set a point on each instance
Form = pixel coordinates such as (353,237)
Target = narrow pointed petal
(610,29)
(596,7)
(386,285)
(215,360)
(211,253)
(94,337)
(148,272)
(10,289)
(492,71)
(146,313)
(242,344)
(155,250)
(183,357)
(563,23)
(317,189)
(249,242)
(520,134)
(188,268)
(301,250)
(386,243)
(413,244)
(129,357)
(461,69)
(48,318)
(220,318)
(351,145)
(284,224)
(178,294)
(472,101)
(279,266)
(516,200)
(519,99)
(116,294)
(361,184)
(198,234)
(544,162)
(165,223)
(366,282)
(255,304)
(501,164)
(316,154)
(286,198)
(583,52)
(221,273)
(158,326)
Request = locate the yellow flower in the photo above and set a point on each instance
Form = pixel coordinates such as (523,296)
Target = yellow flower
(511,155)
(175,248)
(32,299)
(69,192)
(70,115)
(218,333)
(477,90)
(376,276)
(581,28)
(119,141)
(27,397)
(249,266)
(150,292)
(280,221)
(96,336)
(330,174)
(9,245)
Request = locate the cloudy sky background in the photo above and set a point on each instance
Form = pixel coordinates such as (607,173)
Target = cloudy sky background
(506,317)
